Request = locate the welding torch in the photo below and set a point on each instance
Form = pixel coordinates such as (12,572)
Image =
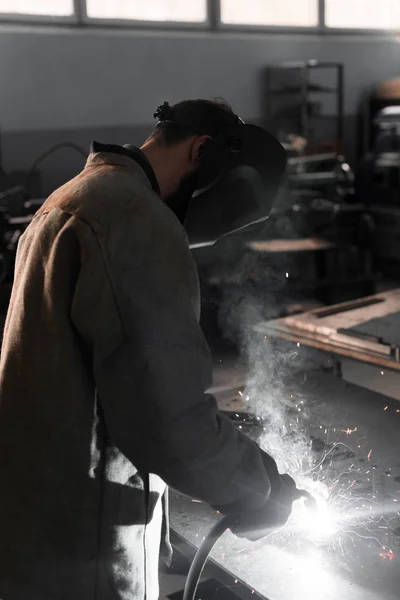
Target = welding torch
(310,501)
(202,554)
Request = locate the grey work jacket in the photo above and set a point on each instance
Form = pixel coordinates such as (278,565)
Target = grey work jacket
(102,379)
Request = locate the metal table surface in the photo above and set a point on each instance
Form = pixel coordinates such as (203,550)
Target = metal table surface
(328,329)
(357,562)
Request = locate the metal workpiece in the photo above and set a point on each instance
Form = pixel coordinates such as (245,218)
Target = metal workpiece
(349,547)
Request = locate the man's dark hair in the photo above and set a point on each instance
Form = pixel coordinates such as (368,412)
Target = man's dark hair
(192,117)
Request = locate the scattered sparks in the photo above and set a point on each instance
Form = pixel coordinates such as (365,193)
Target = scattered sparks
(387,554)
(349,431)
(350,492)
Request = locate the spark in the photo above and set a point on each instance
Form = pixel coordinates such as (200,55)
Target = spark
(387,554)
(349,431)
(349,507)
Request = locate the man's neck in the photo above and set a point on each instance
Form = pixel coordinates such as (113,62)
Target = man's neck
(163,164)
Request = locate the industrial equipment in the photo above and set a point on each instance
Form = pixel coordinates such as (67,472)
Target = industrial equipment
(377,177)
(298,103)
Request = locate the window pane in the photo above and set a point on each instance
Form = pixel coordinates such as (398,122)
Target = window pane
(148,10)
(54,8)
(301,13)
(363,14)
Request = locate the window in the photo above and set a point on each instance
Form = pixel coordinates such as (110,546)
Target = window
(339,14)
(363,14)
(300,13)
(52,8)
(190,11)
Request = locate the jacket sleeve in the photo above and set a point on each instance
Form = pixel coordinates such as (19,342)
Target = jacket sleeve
(152,366)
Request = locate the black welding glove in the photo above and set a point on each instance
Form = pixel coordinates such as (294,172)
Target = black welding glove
(259,523)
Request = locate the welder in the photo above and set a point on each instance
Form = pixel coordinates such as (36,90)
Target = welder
(104,368)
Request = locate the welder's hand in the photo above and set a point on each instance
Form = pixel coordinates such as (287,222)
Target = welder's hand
(259,523)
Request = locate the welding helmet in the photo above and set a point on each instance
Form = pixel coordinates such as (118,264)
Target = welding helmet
(238,179)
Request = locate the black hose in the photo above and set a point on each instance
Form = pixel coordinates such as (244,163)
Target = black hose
(200,559)
(202,554)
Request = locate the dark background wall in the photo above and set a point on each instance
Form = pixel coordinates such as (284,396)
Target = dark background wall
(60,84)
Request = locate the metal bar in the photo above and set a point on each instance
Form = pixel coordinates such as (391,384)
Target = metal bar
(99,23)
(268,99)
(80,11)
(340,109)
(214,14)
(18,19)
(320,313)
(321,13)
(304,102)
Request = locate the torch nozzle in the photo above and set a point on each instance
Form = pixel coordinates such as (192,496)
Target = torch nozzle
(309,500)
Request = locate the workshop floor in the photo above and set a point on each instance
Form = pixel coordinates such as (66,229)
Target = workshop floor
(360,431)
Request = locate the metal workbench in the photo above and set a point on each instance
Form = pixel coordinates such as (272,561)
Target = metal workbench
(362,564)
(338,329)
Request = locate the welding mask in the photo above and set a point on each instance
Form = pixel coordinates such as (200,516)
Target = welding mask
(240,172)
(239,177)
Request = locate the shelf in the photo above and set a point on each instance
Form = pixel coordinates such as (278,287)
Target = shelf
(296,90)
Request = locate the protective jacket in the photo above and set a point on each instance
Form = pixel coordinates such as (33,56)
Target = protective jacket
(102,394)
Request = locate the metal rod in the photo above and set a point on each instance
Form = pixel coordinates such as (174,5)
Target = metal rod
(214,14)
(79,11)
(340,108)
(321,13)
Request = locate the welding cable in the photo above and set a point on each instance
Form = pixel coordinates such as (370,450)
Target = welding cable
(202,555)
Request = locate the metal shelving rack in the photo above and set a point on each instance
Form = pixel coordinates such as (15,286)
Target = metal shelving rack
(298,77)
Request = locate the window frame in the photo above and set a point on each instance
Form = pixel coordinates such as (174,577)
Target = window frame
(22,18)
(356,30)
(237,27)
(213,23)
(140,24)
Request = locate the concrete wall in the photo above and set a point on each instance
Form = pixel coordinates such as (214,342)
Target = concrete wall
(61,84)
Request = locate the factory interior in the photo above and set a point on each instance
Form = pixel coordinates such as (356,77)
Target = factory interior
(299,310)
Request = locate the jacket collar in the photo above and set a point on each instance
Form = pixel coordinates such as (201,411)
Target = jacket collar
(127,156)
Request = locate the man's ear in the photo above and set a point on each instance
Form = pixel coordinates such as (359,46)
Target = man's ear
(199,145)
